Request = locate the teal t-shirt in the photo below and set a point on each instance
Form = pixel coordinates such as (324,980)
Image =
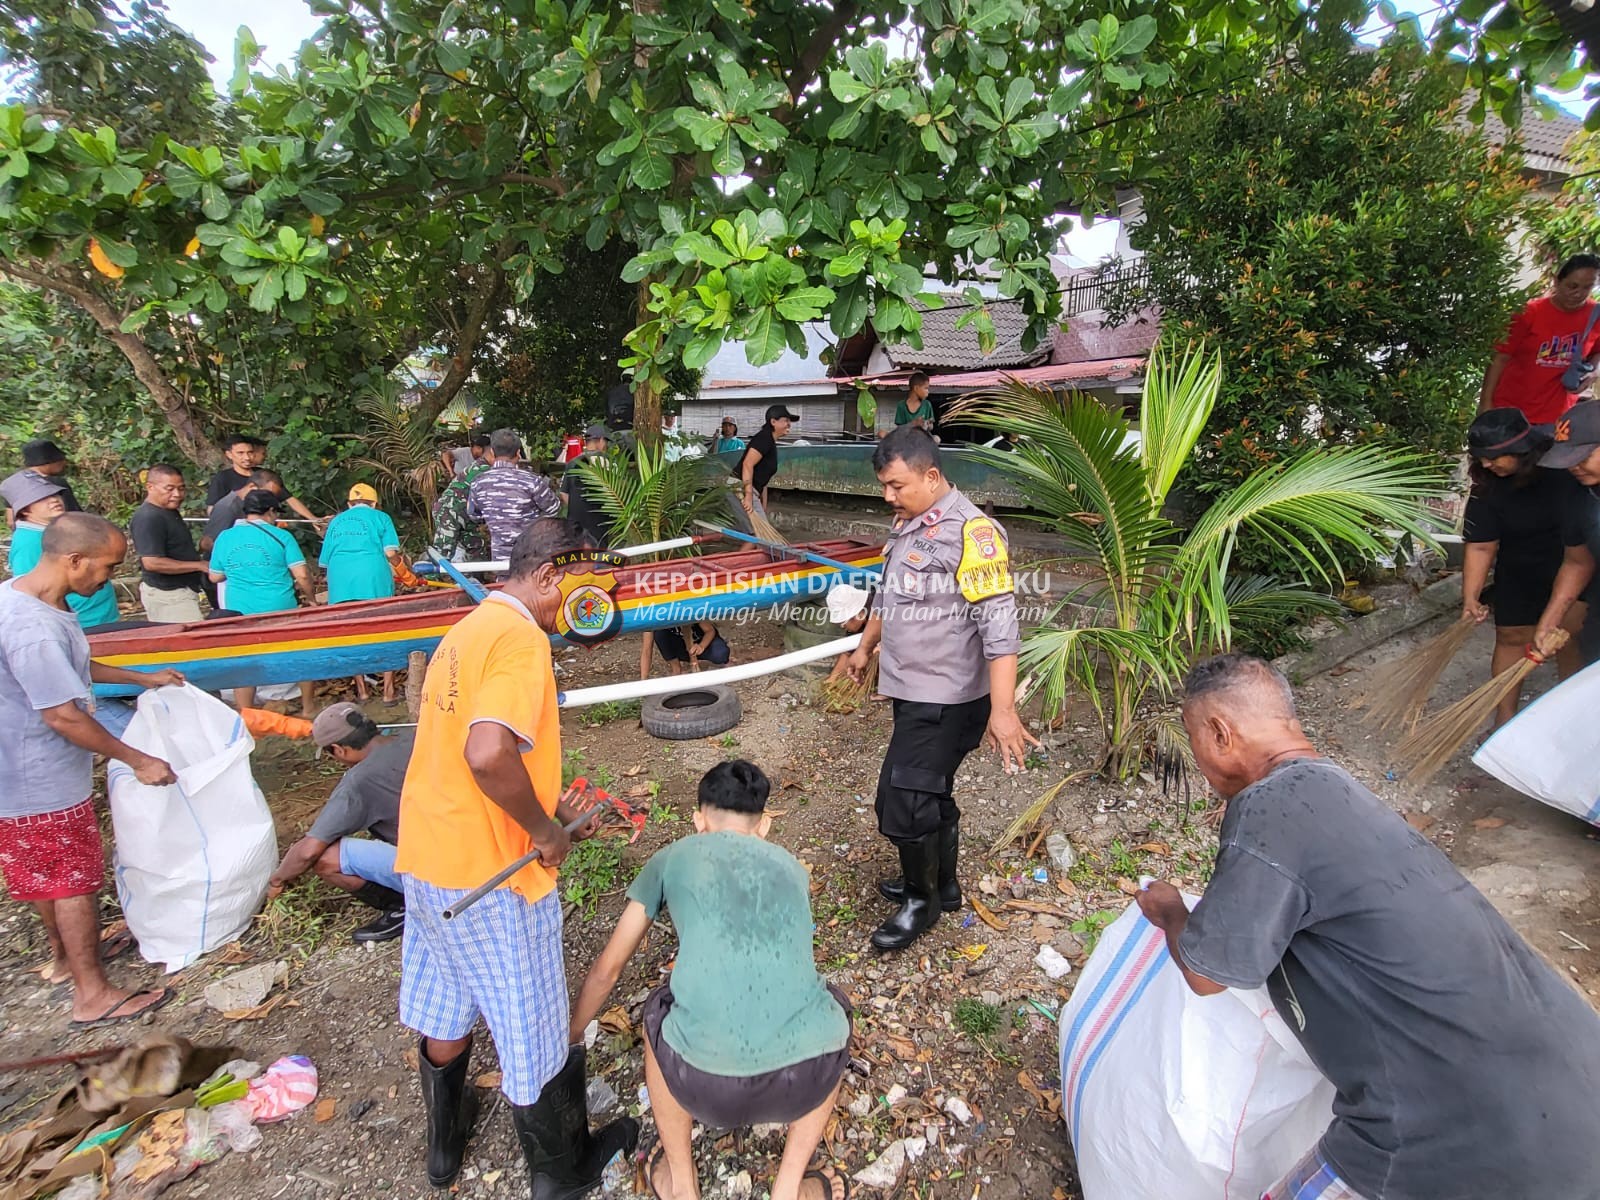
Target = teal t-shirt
(255,558)
(353,555)
(746,996)
(27,548)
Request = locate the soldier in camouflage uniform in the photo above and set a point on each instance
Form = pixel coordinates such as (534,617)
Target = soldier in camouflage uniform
(457,536)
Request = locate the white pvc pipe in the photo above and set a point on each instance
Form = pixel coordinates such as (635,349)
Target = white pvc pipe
(474,568)
(637,689)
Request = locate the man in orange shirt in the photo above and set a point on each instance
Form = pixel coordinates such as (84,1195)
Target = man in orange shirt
(482,790)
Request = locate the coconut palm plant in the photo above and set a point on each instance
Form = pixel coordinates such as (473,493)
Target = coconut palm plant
(650,498)
(1163,595)
(401,446)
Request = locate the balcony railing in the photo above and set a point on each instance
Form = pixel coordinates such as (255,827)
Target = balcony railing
(1089,293)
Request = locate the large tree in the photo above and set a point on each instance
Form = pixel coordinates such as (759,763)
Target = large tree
(1342,237)
(766,164)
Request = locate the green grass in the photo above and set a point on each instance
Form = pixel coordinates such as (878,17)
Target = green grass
(298,923)
(593,870)
(728,742)
(608,711)
(1122,861)
(979,1021)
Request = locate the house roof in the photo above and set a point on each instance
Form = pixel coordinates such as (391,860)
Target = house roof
(1101,371)
(943,345)
(1543,138)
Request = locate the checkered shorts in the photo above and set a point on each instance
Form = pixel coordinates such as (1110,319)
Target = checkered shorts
(500,959)
(1312,1179)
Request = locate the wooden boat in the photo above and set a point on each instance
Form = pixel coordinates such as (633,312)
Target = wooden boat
(366,636)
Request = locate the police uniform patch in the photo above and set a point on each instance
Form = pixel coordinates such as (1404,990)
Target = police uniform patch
(985,569)
(925,544)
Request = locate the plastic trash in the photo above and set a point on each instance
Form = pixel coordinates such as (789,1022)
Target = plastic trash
(287,1086)
(602,1096)
(1548,750)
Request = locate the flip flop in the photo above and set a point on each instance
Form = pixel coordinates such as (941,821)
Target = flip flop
(651,1161)
(113,947)
(106,1018)
(834,1185)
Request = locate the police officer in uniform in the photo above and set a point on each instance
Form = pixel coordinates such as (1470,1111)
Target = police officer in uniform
(946,619)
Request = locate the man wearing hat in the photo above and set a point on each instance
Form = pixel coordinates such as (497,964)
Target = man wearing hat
(849,607)
(361,555)
(41,459)
(727,437)
(760,461)
(366,799)
(38,500)
(1576,449)
(589,516)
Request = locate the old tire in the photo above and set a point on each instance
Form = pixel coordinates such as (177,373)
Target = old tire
(691,713)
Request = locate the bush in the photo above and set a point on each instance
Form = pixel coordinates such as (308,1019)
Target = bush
(1334,232)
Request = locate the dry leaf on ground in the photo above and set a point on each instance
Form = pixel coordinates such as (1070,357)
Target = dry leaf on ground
(489,1079)
(324,1110)
(1154,847)
(1421,822)
(1488,822)
(987,917)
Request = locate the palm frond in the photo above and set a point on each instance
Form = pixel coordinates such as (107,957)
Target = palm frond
(1081,477)
(649,499)
(400,444)
(1179,397)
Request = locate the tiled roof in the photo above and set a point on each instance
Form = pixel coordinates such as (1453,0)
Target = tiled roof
(943,345)
(1543,139)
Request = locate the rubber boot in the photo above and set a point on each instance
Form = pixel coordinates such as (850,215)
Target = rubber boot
(949,888)
(452,1107)
(919,909)
(565,1161)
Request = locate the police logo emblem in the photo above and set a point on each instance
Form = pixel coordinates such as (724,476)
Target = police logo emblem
(589,612)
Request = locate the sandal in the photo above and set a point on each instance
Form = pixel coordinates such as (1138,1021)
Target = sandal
(834,1185)
(109,1017)
(651,1161)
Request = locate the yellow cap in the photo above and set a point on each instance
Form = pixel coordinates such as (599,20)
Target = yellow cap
(364,491)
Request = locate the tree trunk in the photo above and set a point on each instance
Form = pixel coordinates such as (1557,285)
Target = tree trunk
(479,312)
(174,405)
(646,399)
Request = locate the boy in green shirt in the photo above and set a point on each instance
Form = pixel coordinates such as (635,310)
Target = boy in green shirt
(745,1032)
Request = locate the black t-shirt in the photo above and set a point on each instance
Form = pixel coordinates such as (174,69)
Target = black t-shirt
(1465,1067)
(228,480)
(161,533)
(589,515)
(1532,520)
(764,444)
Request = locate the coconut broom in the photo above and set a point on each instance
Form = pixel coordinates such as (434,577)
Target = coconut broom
(765,529)
(1429,746)
(1397,693)
(842,694)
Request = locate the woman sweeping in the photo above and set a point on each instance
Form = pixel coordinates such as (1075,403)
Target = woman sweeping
(1523,521)
(1551,349)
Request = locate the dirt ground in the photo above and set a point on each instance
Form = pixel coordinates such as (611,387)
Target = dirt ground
(966,1015)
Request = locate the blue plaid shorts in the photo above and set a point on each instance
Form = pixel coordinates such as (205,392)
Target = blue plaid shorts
(500,959)
(1312,1179)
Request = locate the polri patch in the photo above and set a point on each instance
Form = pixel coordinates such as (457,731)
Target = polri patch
(985,569)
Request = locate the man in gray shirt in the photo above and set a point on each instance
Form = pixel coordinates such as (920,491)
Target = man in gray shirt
(50,851)
(946,615)
(1465,1068)
(366,800)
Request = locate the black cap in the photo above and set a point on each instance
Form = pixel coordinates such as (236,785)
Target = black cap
(779,413)
(41,452)
(1504,431)
(1577,435)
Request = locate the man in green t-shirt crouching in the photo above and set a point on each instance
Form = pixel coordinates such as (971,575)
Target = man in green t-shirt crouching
(745,1032)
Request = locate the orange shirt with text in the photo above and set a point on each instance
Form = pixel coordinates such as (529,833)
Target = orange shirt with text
(494,665)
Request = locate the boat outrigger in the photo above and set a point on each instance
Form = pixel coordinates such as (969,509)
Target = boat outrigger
(364,637)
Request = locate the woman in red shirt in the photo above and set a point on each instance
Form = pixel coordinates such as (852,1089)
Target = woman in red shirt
(1527,367)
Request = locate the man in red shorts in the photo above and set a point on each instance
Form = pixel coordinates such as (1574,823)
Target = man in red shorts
(50,850)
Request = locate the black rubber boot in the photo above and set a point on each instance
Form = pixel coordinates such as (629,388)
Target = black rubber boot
(452,1107)
(566,1161)
(919,908)
(375,895)
(949,889)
